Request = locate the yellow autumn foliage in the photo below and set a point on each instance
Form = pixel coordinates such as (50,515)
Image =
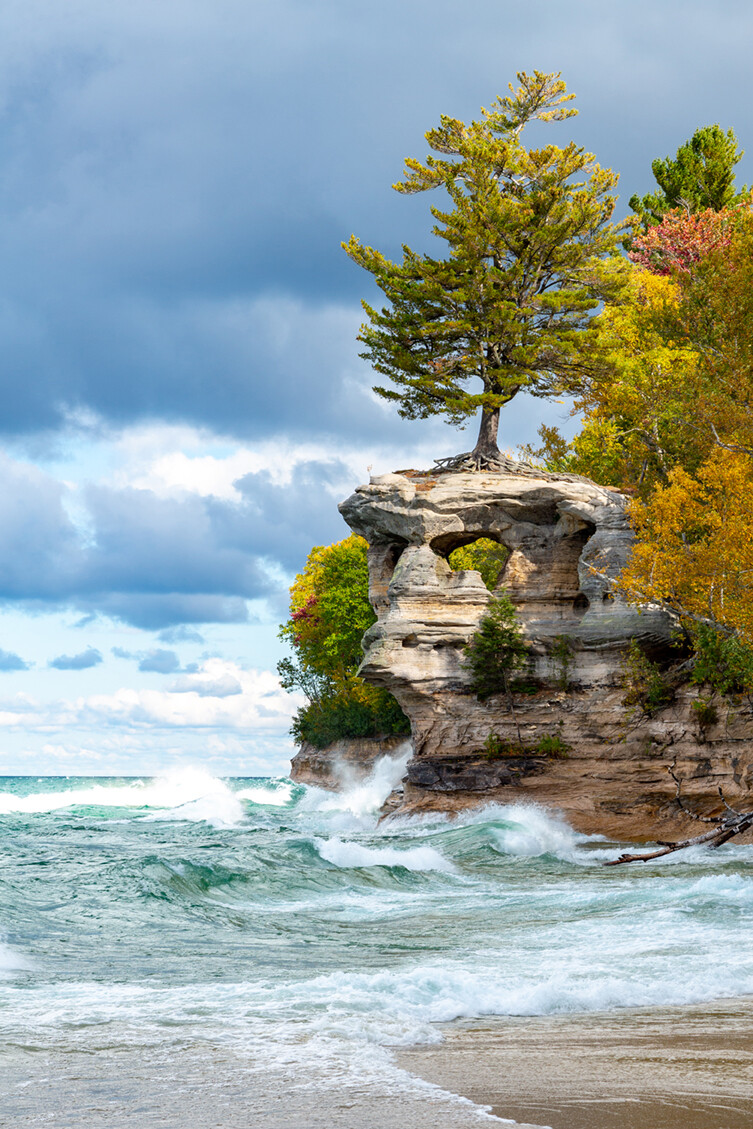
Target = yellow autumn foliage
(637,400)
(695,544)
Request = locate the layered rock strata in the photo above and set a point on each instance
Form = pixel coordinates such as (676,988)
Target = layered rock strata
(568,538)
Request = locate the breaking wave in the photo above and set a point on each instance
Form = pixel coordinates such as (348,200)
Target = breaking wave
(352,855)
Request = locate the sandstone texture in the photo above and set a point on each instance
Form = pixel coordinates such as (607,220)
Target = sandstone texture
(568,538)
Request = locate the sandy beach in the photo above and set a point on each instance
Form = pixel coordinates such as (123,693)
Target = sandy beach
(674,1068)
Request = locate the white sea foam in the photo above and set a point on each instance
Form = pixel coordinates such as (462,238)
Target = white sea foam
(517,937)
(350,855)
(525,830)
(392,1007)
(532,831)
(200,798)
(11,962)
(184,793)
(275,793)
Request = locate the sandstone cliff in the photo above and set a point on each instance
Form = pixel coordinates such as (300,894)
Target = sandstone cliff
(567,539)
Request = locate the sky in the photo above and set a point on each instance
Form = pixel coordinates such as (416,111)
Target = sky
(183,404)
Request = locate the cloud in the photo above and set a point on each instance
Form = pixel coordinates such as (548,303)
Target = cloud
(156,661)
(181,634)
(232,719)
(171,248)
(261,703)
(160,662)
(9,661)
(83,661)
(157,561)
(207,686)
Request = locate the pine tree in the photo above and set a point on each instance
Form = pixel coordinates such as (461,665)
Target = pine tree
(700,176)
(529,257)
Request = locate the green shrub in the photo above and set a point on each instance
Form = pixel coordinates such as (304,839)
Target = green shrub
(329,613)
(342,714)
(552,745)
(646,686)
(721,661)
(494,746)
(706,713)
(524,686)
(562,651)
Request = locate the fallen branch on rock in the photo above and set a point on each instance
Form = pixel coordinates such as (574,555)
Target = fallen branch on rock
(726,826)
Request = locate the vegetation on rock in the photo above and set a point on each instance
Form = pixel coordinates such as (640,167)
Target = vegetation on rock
(648,688)
(329,614)
(551,745)
(496,650)
(667,404)
(485,556)
(655,347)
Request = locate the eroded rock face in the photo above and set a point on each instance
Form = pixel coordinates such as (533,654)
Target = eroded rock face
(568,538)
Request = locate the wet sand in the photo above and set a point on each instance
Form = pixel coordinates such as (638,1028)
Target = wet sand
(203,1086)
(674,1068)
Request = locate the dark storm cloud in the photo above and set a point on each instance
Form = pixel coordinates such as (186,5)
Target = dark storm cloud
(177,178)
(83,661)
(157,562)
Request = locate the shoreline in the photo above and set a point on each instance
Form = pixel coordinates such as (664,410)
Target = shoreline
(688,1067)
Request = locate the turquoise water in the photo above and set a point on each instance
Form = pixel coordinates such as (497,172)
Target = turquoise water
(288,935)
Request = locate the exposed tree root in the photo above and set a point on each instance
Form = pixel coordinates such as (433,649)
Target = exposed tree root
(726,826)
(481,461)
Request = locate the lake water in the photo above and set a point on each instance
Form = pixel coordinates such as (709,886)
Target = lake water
(199,952)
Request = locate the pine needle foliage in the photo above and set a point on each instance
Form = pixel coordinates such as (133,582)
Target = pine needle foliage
(497,649)
(509,306)
(700,175)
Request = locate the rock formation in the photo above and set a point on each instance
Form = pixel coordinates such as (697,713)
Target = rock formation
(567,538)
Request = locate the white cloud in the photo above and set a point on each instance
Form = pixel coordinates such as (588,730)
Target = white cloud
(221,696)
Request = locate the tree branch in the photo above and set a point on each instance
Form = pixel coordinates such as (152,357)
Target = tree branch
(728,825)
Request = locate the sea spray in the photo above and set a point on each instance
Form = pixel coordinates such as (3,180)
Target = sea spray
(11,961)
(273,793)
(360,798)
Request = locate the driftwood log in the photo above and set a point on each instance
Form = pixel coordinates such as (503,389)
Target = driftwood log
(726,826)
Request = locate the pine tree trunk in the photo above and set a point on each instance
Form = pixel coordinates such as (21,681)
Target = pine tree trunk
(511,705)
(486,444)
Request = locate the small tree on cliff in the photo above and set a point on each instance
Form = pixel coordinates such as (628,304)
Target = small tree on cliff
(527,232)
(496,651)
